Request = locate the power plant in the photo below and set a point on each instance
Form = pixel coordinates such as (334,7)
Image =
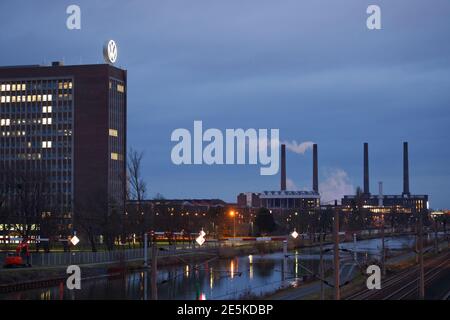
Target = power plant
(284,199)
(404,201)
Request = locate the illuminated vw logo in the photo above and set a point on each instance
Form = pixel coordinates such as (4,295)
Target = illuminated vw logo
(110,51)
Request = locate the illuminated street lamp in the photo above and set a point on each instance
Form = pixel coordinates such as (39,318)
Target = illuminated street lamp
(201,238)
(233,215)
(294,234)
(74,240)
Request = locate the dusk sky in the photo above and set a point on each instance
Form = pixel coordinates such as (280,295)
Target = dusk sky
(310,68)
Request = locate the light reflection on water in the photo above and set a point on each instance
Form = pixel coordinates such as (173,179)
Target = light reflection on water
(249,276)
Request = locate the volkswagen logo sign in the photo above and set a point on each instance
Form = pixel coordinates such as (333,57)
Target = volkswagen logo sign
(110,52)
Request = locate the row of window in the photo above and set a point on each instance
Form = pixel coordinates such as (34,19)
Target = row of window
(8,122)
(36,156)
(13,87)
(34,133)
(22,86)
(28,98)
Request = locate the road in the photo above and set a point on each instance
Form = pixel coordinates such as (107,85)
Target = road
(404,285)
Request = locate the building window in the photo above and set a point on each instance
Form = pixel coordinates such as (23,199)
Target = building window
(46,109)
(114,156)
(46,144)
(46,120)
(120,88)
(113,132)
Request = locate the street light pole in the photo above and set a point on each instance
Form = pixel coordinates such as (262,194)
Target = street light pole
(154,271)
(337,292)
(234,226)
(145,250)
(383,249)
(421,267)
(322,291)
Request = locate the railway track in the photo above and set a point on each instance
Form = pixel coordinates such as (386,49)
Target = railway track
(404,285)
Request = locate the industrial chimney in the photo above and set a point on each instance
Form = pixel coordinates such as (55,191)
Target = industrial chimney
(405,169)
(380,194)
(366,168)
(283,167)
(315,170)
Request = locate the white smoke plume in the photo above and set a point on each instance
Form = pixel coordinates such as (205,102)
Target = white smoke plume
(290,185)
(299,148)
(336,185)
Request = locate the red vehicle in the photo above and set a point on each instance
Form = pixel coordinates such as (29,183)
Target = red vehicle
(15,260)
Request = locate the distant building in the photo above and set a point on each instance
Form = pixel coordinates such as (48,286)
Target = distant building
(283,199)
(406,202)
(302,200)
(248,200)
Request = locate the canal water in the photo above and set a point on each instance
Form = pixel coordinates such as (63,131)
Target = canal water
(251,276)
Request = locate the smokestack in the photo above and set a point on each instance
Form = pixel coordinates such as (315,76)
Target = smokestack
(405,169)
(315,169)
(380,194)
(366,168)
(283,167)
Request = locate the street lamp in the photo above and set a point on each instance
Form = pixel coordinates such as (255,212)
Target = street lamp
(233,215)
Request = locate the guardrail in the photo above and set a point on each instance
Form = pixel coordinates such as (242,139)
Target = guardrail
(86,257)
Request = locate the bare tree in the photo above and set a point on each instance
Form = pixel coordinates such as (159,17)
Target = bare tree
(137,189)
(137,185)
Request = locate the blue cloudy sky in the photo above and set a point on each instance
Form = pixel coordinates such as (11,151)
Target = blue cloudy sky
(308,67)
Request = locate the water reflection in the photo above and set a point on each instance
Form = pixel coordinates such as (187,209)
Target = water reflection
(240,277)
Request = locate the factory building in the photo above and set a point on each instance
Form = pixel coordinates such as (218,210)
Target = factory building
(283,199)
(405,202)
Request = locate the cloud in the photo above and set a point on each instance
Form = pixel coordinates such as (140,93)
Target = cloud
(298,148)
(336,185)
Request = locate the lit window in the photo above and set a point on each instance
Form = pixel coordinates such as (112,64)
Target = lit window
(46,120)
(3,99)
(70,85)
(29,98)
(46,109)
(8,87)
(46,144)
(8,99)
(24,87)
(120,88)
(113,132)
(13,87)
(44,97)
(114,156)
(3,87)
(49,97)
